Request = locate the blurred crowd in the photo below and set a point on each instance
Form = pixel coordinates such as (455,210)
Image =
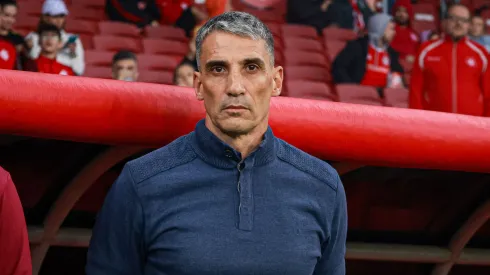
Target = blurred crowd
(444,68)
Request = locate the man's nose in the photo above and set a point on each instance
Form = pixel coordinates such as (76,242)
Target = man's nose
(235,83)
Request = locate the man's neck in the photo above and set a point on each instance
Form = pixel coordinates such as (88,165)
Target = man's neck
(4,31)
(49,55)
(245,144)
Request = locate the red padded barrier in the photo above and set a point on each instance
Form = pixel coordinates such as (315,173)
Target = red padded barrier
(117,112)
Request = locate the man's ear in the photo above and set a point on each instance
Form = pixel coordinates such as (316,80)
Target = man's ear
(278,78)
(197,86)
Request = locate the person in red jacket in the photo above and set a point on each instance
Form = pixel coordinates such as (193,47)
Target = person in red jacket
(51,43)
(15,256)
(406,40)
(451,74)
(8,55)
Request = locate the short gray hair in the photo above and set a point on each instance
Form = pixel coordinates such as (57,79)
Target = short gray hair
(237,23)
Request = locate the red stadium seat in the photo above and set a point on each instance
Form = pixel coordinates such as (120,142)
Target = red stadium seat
(98,72)
(166,47)
(396,97)
(117,43)
(80,26)
(295,57)
(87,41)
(26,23)
(87,14)
(30,7)
(98,58)
(357,94)
(278,58)
(100,4)
(266,16)
(309,89)
(119,29)
(159,77)
(421,26)
(334,33)
(302,44)
(153,62)
(424,8)
(166,32)
(293,30)
(334,47)
(311,73)
(275,29)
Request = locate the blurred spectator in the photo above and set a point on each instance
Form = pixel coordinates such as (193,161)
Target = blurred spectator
(370,60)
(478,32)
(320,13)
(429,35)
(50,44)
(138,12)
(217,7)
(8,54)
(451,74)
(72,53)
(8,16)
(363,10)
(406,40)
(184,74)
(15,255)
(125,66)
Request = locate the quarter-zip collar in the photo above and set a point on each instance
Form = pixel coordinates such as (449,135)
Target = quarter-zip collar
(217,153)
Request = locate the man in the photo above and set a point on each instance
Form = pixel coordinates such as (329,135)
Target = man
(478,32)
(406,40)
(138,12)
(184,74)
(320,13)
(51,43)
(10,42)
(451,74)
(370,60)
(228,198)
(125,66)
(15,255)
(72,54)
(8,17)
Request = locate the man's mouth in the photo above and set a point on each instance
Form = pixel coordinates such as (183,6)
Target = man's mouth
(235,107)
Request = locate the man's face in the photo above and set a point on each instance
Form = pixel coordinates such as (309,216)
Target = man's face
(125,69)
(401,16)
(236,82)
(50,42)
(389,33)
(477,26)
(8,14)
(458,22)
(57,20)
(184,76)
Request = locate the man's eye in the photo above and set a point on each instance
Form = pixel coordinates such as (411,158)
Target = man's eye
(218,69)
(252,67)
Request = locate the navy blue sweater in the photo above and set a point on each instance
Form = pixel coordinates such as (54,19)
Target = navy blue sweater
(194,207)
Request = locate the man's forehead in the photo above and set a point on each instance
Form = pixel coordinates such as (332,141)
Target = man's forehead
(224,46)
(460,11)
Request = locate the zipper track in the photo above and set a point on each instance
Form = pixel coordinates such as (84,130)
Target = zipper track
(454,79)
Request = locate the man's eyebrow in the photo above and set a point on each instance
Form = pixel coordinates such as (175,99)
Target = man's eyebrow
(255,60)
(213,63)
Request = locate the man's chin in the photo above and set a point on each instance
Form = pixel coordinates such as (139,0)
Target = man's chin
(235,126)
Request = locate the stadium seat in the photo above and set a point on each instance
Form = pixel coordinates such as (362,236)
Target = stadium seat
(334,33)
(275,28)
(30,7)
(166,47)
(153,62)
(100,4)
(117,43)
(119,29)
(334,47)
(87,41)
(311,73)
(79,26)
(424,8)
(421,26)
(159,77)
(295,57)
(166,32)
(98,58)
(98,72)
(278,58)
(309,89)
(302,44)
(87,14)
(357,94)
(266,16)
(396,97)
(26,23)
(293,30)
